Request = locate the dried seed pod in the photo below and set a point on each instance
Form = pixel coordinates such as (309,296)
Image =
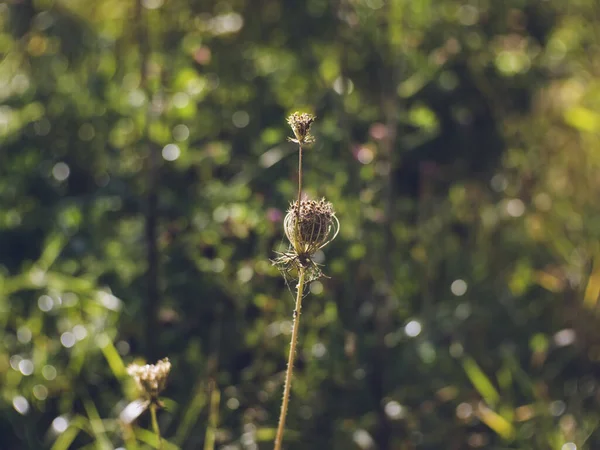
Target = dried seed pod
(310,227)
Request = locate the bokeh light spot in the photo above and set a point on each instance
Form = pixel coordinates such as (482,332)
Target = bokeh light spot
(86,132)
(40,392)
(319,350)
(557,408)
(245,274)
(67,339)
(468,15)
(15,360)
(316,287)
(181,132)
(45,303)
(240,119)
(60,424)
(394,410)
(24,335)
(123,348)
(152,4)
(21,404)
(61,171)
(181,100)
(363,439)
(515,207)
(365,155)
(343,86)
(412,328)
(26,367)
(171,152)
(458,287)
(565,337)
(49,372)
(233,403)
(80,332)
(464,411)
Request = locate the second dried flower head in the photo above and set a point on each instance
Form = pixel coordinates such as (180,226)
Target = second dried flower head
(151,379)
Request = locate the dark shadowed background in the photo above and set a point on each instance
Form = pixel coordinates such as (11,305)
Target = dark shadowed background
(145,172)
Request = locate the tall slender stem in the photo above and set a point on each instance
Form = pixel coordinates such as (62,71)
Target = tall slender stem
(155,425)
(296,244)
(290,366)
(299,177)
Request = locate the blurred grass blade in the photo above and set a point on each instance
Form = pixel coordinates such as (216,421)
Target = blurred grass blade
(583,119)
(96,424)
(191,415)
(496,422)
(149,437)
(592,290)
(268,434)
(213,418)
(52,249)
(480,381)
(265,434)
(112,356)
(66,438)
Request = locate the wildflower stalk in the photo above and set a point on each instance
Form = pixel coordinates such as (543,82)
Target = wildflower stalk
(309,225)
(290,366)
(155,425)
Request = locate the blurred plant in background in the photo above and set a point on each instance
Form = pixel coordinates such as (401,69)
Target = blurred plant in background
(142,168)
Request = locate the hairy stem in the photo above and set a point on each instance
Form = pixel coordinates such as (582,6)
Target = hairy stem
(299,177)
(155,425)
(296,228)
(290,366)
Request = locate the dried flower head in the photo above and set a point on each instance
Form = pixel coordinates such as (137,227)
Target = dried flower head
(300,124)
(308,228)
(151,378)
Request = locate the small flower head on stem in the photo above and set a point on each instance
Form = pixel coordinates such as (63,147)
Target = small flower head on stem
(151,379)
(300,124)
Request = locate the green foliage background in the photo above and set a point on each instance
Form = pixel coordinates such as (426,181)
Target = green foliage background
(459,142)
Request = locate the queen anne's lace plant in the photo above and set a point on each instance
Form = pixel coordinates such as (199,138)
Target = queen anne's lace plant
(309,226)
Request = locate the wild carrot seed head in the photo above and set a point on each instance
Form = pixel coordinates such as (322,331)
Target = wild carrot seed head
(310,227)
